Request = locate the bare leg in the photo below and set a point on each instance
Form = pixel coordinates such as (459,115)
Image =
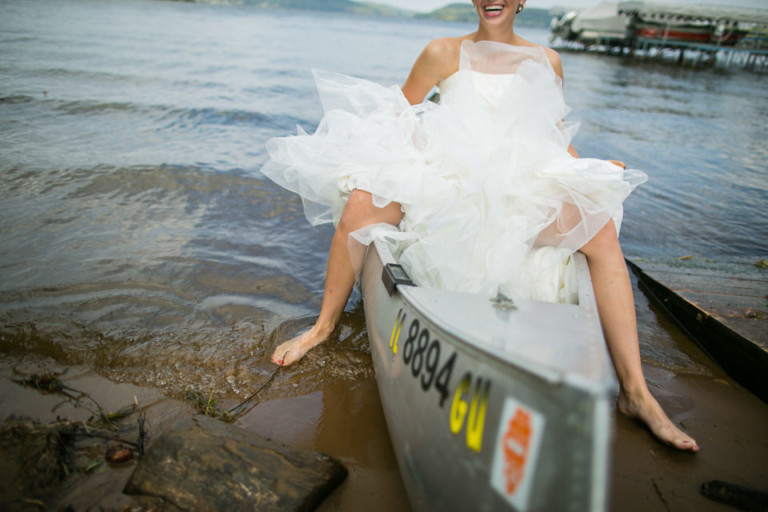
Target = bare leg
(340,276)
(615,303)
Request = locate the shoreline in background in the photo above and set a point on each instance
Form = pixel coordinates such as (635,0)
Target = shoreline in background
(531,17)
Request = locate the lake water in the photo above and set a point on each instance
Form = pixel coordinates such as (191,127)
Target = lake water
(138,237)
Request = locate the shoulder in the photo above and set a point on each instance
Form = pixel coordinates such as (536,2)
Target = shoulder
(552,55)
(438,60)
(444,45)
(554,60)
(442,55)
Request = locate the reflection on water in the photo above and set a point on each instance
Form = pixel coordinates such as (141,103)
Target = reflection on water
(138,237)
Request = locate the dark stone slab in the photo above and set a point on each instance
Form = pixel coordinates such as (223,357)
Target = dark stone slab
(722,306)
(743,498)
(203,464)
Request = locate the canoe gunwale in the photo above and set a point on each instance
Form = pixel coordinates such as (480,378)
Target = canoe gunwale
(552,376)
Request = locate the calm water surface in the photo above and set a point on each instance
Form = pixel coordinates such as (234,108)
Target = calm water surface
(137,235)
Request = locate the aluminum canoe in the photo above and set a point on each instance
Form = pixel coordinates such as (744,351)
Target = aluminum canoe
(491,407)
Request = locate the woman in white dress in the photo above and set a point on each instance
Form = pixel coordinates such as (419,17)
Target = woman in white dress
(485,178)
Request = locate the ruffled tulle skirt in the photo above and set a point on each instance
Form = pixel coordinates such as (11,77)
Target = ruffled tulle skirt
(491,196)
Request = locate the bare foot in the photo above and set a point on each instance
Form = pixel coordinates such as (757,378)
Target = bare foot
(647,410)
(294,349)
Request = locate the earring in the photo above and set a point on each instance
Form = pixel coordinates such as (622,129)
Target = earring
(520,8)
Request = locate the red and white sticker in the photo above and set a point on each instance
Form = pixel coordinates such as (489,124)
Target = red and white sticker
(516,452)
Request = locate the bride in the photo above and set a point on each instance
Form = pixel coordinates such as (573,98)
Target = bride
(478,183)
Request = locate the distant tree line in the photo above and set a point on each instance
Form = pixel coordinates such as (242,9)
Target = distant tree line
(461,12)
(530,17)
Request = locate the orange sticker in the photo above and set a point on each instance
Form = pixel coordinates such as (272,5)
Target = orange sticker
(515,443)
(516,452)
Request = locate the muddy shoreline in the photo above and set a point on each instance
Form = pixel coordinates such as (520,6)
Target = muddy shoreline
(342,416)
(345,421)
(342,419)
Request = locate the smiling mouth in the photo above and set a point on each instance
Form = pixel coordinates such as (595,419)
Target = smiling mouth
(494,8)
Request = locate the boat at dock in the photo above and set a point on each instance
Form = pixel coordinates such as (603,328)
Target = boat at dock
(600,24)
(701,34)
(700,24)
(491,405)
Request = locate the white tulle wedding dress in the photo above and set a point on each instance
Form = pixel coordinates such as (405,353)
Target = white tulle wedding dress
(490,193)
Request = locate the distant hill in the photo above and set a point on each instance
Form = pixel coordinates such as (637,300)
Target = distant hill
(452,12)
(366,8)
(530,17)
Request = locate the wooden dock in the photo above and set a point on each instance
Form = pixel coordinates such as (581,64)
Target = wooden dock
(700,55)
(722,306)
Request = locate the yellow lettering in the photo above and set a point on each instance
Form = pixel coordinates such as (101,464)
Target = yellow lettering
(397,336)
(459,406)
(396,331)
(477,416)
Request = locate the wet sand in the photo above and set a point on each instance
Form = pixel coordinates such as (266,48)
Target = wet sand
(102,487)
(729,424)
(347,422)
(344,419)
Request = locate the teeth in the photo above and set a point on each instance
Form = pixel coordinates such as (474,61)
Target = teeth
(492,8)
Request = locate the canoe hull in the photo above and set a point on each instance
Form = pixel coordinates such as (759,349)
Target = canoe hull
(472,431)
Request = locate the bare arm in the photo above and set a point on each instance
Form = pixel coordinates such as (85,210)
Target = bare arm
(439,59)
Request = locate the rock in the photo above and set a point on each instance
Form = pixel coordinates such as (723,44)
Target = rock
(204,464)
(118,454)
(737,496)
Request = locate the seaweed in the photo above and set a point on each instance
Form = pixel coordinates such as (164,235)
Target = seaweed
(50,383)
(240,408)
(209,406)
(47,455)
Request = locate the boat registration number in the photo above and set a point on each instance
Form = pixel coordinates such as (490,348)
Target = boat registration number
(424,356)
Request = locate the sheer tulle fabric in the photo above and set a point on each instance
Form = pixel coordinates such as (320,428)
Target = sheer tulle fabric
(490,193)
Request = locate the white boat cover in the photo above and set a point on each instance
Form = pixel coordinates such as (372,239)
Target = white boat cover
(725,12)
(602,19)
